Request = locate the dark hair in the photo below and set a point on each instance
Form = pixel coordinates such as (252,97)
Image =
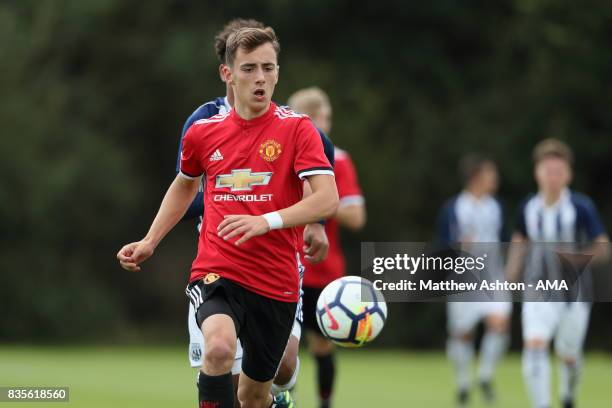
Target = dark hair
(552,148)
(248,39)
(234,25)
(471,164)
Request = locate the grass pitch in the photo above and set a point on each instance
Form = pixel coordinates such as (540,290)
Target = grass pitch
(160,377)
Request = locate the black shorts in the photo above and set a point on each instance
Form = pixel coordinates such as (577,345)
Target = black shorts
(263,325)
(310,298)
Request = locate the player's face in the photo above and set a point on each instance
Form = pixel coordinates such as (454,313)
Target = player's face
(553,174)
(323,118)
(253,77)
(488,178)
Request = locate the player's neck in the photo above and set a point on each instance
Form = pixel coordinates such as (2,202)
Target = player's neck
(551,197)
(476,192)
(246,113)
(229,94)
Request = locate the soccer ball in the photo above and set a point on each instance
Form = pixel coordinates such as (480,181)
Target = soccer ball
(350,312)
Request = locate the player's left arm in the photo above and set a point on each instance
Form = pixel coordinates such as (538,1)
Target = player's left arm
(321,204)
(595,230)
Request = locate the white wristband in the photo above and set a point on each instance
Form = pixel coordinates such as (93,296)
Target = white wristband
(275,221)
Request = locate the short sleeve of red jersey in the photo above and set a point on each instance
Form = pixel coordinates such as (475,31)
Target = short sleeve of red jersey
(309,155)
(346,180)
(191,166)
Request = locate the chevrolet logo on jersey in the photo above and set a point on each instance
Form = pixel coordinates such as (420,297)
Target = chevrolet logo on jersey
(243,179)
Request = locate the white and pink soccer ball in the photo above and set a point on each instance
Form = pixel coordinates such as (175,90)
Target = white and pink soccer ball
(351,312)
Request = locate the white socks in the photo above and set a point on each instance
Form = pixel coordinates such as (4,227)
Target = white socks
(494,345)
(461,354)
(569,377)
(536,371)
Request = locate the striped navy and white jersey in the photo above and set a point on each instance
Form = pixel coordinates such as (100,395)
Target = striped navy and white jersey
(573,218)
(570,223)
(466,218)
(220,105)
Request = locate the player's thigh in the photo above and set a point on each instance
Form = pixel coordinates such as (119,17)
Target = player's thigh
(462,317)
(539,321)
(292,349)
(265,334)
(220,318)
(573,327)
(289,363)
(197,346)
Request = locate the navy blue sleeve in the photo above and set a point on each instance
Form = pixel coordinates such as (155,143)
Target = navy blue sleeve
(196,208)
(588,219)
(329,150)
(328,147)
(446,230)
(203,112)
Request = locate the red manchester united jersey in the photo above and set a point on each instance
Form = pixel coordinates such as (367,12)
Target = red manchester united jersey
(333,267)
(252,167)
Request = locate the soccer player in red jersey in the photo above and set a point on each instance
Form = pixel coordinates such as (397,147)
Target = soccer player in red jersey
(254,158)
(314,236)
(351,214)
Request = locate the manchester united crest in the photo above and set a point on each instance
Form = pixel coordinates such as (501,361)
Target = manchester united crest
(270,150)
(210,278)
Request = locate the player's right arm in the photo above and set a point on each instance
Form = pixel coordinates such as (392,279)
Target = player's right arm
(196,208)
(179,196)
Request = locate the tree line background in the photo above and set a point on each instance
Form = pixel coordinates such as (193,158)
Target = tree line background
(94,94)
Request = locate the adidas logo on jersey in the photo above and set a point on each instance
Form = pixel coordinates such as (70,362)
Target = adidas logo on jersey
(216,156)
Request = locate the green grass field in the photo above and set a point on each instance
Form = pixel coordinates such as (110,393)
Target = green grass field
(159,377)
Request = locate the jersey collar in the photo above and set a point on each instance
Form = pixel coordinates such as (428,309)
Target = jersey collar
(563,198)
(253,122)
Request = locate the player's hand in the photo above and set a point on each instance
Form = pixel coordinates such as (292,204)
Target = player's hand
(317,244)
(132,255)
(248,226)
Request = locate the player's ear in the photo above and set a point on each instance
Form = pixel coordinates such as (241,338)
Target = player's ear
(226,73)
(221,73)
(277,73)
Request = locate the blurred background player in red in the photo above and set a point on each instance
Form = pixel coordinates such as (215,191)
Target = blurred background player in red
(351,214)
